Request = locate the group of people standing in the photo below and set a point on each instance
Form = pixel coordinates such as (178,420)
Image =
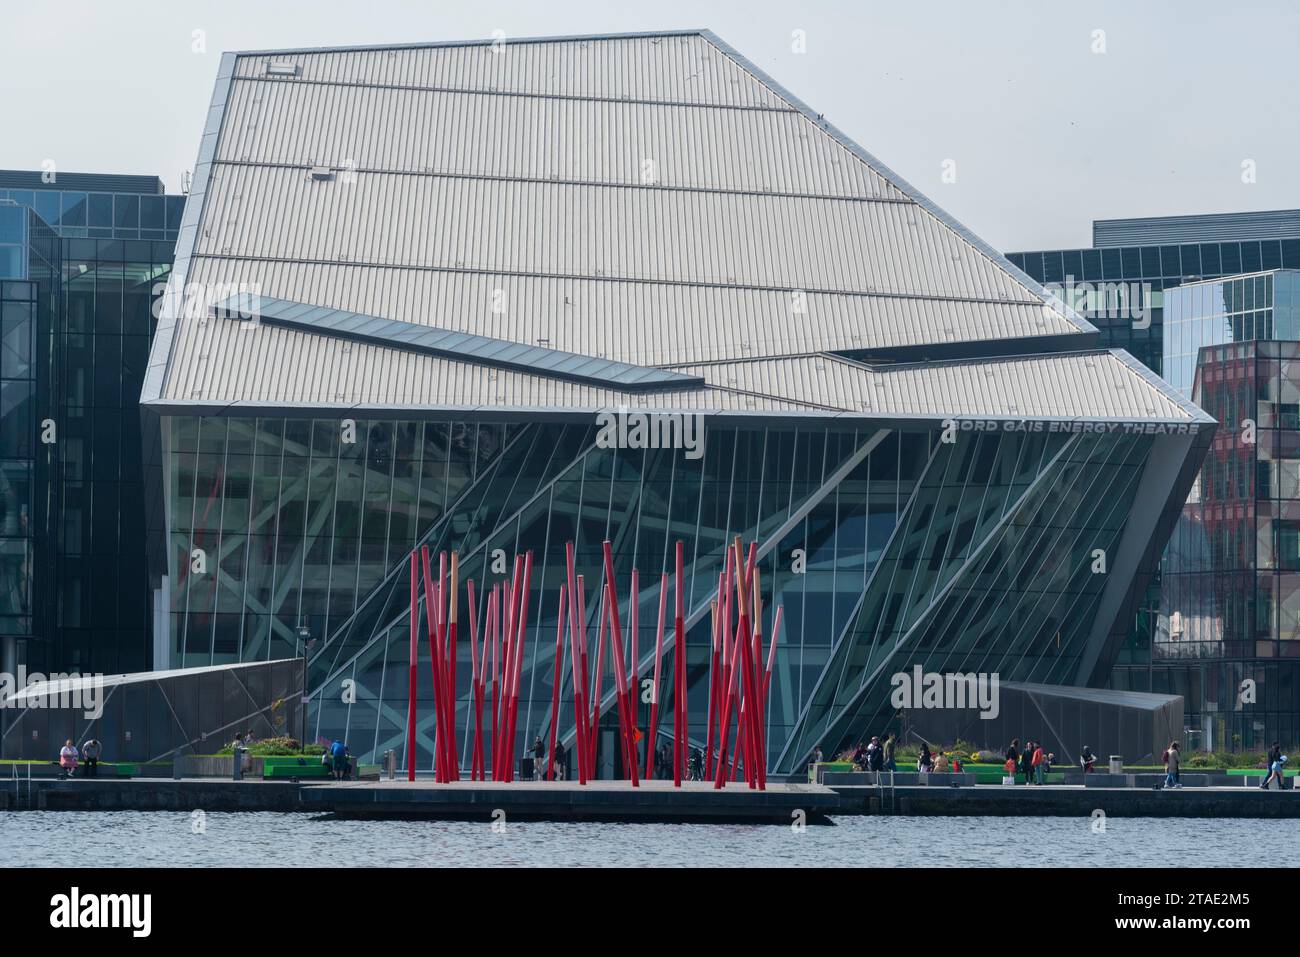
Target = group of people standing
(875,755)
(1032,761)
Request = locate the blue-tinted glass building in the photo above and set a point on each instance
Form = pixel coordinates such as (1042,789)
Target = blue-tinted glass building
(1144,257)
(87,255)
(1209,281)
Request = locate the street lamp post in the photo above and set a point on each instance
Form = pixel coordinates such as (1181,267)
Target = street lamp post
(305,642)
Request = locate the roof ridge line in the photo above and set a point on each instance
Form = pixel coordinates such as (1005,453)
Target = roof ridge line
(525,94)
(586,183)
(899,183)
(576,277)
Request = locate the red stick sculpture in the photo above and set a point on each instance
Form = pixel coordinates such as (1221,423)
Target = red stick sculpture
(555,684)
(652,739)
(410,705)
(620,669)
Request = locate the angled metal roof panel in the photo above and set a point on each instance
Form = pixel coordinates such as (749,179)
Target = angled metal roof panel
(500,195)
(642,323)
(567,230)
(1099,385)
(430,340)
(683,68)
(472,134)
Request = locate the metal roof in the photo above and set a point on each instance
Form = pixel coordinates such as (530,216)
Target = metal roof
(428,340)
(1199,228)
(1097,385)
(649,200)
(87,182)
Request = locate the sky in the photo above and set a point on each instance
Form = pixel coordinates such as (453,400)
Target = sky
(1024,120)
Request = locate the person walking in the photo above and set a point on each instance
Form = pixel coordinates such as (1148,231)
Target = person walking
(558,759)
(1172,763)
(90,752)
(68,759)
(890,744)
(1037,763)
(539,758)
(1274,764)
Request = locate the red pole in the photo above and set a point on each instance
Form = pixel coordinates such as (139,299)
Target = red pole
(620,672)
(576,639)
(522,623)
(453,766)
(430,602)
(495,609)
(555,685)
(600,661)
(592,730)
(476,747)
(715,624)
(410,704)
(633,693)
(651,739)
(679,659)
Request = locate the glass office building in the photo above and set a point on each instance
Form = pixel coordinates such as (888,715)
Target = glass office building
(1134,259)
(1238,309)
(375,342)
(1230,606)
(1146,260)
(93,252)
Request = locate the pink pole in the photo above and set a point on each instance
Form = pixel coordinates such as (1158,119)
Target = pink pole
(555,684)
(654,687)
(410,703)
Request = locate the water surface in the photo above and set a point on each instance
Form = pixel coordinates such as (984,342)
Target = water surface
(167,839)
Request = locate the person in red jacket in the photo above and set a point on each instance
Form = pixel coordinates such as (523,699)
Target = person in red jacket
(1038,763)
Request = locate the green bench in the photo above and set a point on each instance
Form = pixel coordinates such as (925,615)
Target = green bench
(308,766)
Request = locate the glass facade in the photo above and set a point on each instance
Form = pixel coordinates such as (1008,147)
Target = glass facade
(991,570)
(1239,309)
(29,315)
(1232,568)
(282,524)
(84,214)
(72,377)
(1254,300)
(1159,267)
(860,532)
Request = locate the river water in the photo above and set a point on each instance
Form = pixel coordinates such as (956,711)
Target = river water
(136,839)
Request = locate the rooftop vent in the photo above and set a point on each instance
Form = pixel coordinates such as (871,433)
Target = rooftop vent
(282,68)
(320,174)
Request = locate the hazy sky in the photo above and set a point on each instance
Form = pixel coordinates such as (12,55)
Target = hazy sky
(1044,133)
